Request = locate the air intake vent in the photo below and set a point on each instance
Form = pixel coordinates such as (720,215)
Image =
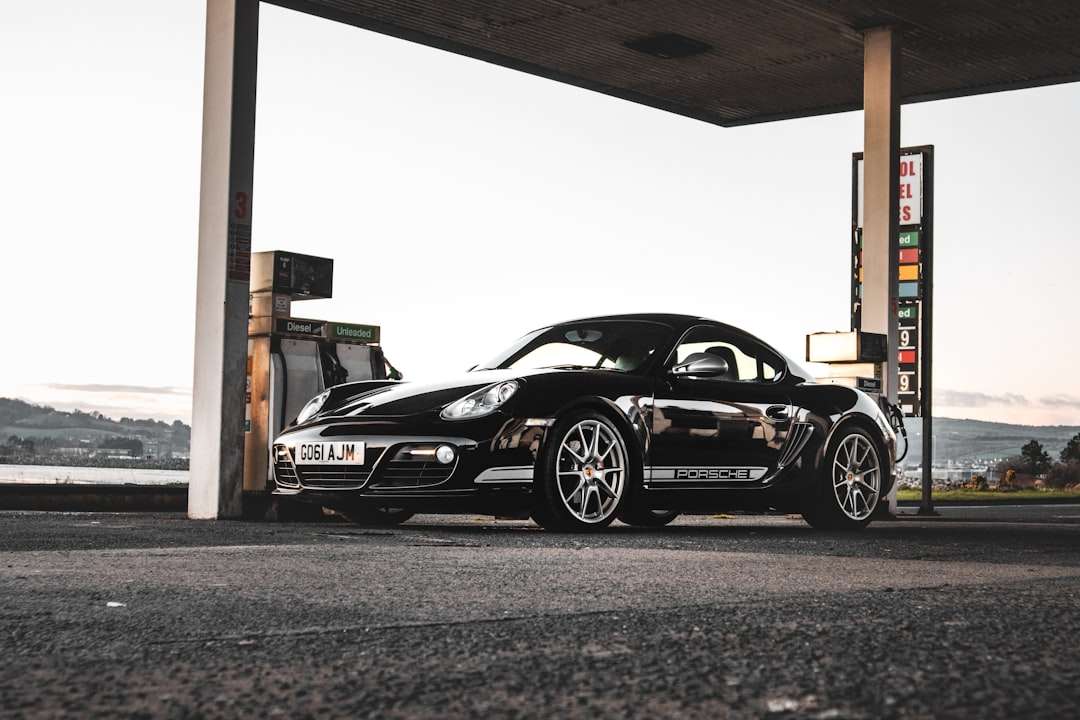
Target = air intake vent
(800,434)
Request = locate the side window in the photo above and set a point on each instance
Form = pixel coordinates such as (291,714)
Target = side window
(747,361)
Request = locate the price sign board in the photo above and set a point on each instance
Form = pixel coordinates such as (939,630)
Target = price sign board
(914,284)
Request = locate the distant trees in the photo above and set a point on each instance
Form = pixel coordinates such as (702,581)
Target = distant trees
(1064,475)
(1034,462)
(16,445)
(1067,472)
(1038,460)
(1071,451)
(181,433)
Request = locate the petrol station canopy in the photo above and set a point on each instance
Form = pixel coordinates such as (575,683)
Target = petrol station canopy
(736,62)
(726,62)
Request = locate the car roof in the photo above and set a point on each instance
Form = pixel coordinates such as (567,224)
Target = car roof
(675,320)
(681,323)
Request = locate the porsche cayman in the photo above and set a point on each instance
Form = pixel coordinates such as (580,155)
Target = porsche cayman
(636,418)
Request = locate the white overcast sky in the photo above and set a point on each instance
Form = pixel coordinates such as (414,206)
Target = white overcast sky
(464,204)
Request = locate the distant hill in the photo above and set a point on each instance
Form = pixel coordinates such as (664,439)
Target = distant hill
(976,442)
(27,429)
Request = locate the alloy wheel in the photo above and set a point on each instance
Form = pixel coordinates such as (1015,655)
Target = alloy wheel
(591,471)
(856,476)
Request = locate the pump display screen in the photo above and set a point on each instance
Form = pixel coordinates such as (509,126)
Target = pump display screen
(330,453)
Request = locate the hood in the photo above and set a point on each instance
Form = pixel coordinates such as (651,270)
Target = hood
(411,398)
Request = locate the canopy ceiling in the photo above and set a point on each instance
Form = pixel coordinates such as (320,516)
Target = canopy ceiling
(734,62)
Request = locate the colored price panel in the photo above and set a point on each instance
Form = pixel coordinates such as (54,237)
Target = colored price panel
(909,256)
(908,271)
(907,370)
(909,239)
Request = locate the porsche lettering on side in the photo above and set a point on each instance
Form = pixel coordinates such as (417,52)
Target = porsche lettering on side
(706,474)
(635,418)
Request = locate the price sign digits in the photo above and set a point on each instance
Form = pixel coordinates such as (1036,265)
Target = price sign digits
(908,357)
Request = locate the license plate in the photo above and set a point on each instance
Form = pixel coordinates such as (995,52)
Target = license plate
(330,453)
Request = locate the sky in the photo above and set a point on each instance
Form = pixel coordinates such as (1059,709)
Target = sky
(464,204)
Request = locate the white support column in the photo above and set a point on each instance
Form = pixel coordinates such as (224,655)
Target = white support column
(218,408)
(881,192)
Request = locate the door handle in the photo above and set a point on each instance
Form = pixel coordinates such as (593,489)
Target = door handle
(777,412)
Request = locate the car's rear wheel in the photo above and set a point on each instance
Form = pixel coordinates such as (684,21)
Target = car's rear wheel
(582,476)
(645,517)
(852,480)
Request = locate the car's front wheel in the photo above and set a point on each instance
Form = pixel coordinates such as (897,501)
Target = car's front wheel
(852,480)
(582,475)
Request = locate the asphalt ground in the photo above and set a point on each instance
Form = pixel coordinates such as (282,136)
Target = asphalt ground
(973,613)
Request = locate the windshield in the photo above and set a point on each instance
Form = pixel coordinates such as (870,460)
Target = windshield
(624,345)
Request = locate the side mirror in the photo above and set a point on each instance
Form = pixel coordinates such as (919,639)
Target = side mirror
(700,365)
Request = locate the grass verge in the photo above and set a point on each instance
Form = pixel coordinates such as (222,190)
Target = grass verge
(915,494)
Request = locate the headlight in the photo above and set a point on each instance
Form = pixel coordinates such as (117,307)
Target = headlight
(314,405)
(482,402)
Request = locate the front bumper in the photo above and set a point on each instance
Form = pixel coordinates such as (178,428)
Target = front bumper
(397,464)
(391,463)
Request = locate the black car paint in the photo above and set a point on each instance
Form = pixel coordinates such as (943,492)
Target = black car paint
(747,424)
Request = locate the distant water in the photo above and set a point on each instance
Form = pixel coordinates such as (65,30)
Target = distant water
(63,475)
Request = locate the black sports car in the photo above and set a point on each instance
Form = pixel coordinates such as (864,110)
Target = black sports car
(635,417)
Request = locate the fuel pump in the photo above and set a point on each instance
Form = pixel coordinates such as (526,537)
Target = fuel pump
(854,358)
(290,359)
